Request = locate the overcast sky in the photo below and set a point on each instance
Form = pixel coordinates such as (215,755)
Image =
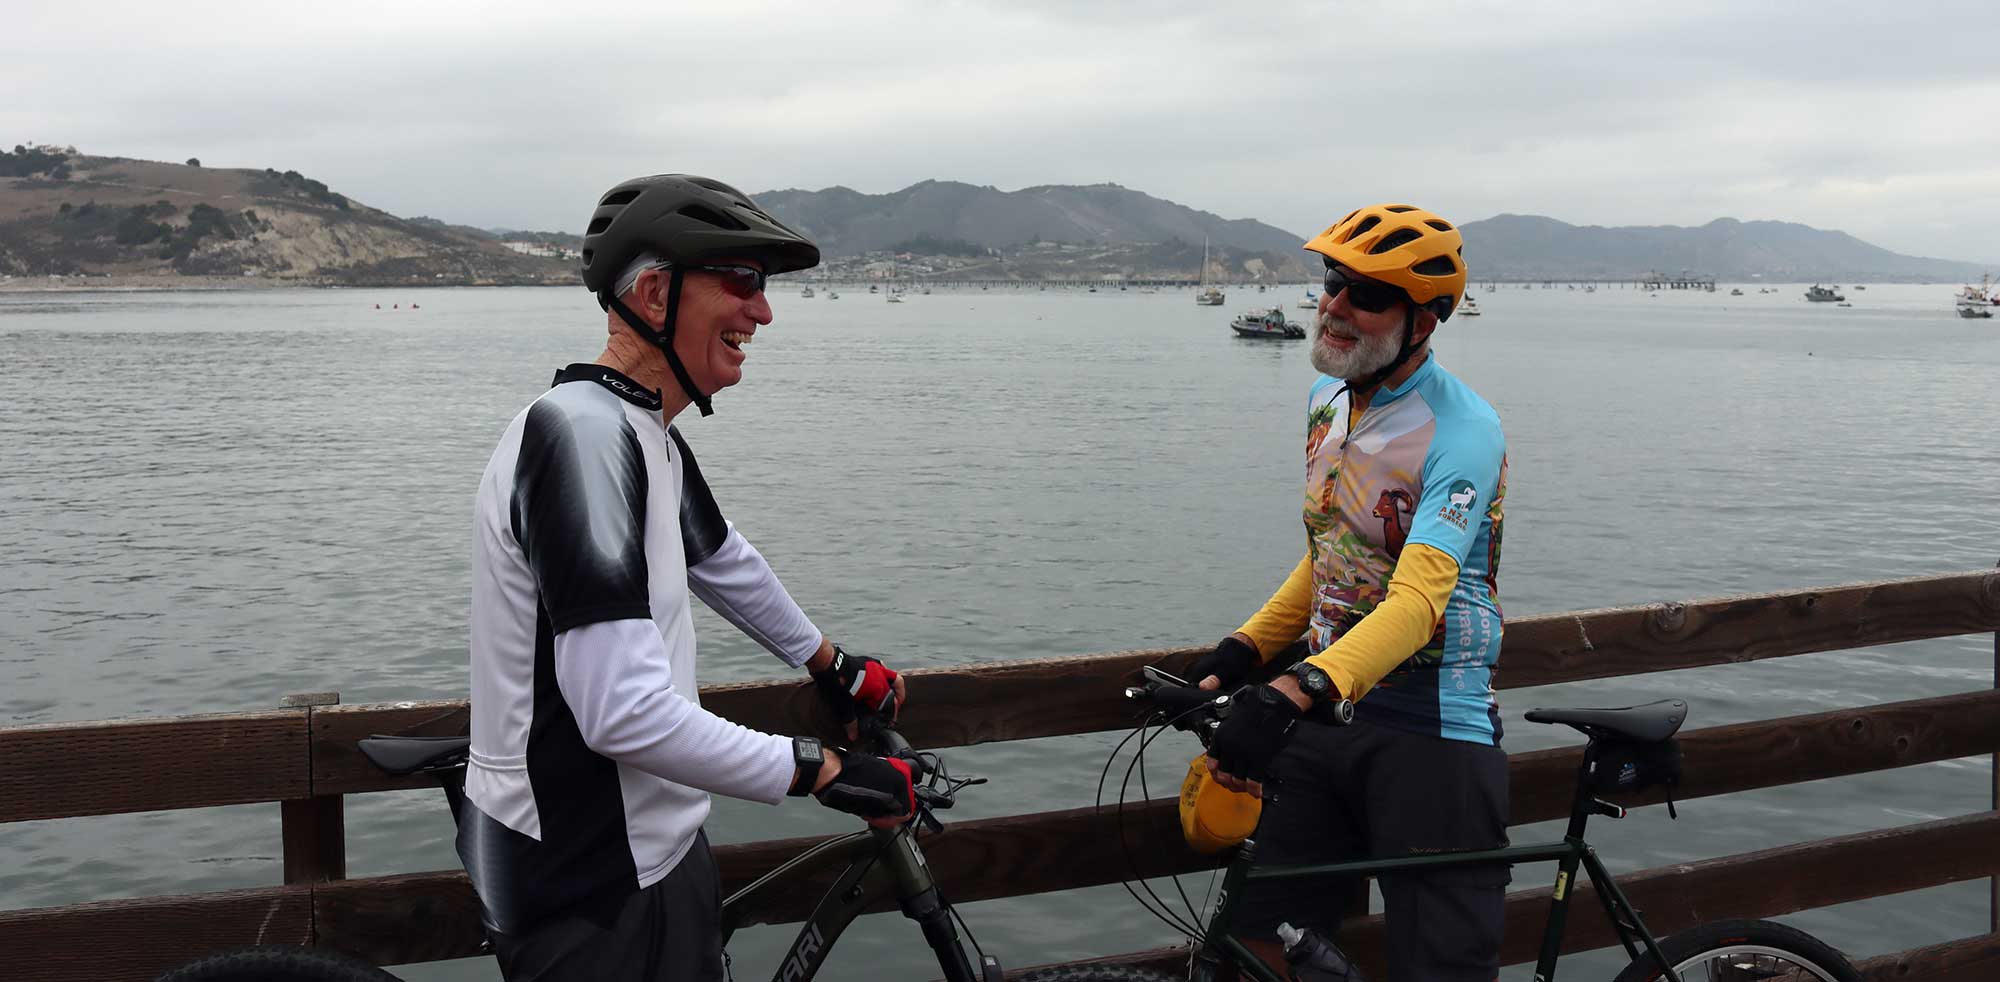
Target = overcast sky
(1874,118)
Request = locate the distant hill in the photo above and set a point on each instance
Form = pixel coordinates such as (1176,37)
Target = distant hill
(1532,246)
(846,222)
(63,213)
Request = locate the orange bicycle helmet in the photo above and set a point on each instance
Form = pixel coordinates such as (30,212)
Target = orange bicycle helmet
(1404,246)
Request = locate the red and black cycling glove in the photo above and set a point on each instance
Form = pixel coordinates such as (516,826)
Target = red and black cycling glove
(856,680)
(871,787)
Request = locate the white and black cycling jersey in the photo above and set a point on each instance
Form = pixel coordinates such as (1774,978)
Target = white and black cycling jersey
(591,756)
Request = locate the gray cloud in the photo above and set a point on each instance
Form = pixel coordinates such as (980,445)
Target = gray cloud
(1862,117)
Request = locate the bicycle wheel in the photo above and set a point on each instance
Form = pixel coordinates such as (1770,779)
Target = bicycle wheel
(277,963)
(1097,973)
(1741,950)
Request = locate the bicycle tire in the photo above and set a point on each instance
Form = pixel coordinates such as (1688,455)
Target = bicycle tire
(1097,973)
(276,963)
(1748,940)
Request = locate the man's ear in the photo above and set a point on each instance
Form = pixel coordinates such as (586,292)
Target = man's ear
(1425,325)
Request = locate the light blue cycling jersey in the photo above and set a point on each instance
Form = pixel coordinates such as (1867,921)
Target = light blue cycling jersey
(1425,462)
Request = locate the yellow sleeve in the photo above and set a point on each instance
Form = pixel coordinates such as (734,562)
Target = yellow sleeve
(1285,615)
(1392,632)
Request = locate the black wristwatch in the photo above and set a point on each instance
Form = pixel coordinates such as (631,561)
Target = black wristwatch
(1327,706)
(1318,685)
(808,755)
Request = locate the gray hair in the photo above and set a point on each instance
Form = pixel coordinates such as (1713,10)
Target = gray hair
(643,262)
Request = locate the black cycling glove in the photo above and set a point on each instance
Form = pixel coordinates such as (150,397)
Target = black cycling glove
(1230,661)
(1260,720)
(855,680)
(871,787)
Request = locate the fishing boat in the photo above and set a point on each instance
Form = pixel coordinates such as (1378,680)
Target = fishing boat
(1310,301)
(895,298)
(1469,308)
(1266,324)
(807,293)
(1209,295)
(1736,293)
(1820,294)
(833,295)
(1970,310)
(1977,296)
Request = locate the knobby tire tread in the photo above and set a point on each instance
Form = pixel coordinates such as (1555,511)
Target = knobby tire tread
(277,963)
(1096,973)
(1721,936)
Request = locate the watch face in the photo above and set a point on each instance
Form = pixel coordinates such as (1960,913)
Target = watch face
(808,750)
(1314,680)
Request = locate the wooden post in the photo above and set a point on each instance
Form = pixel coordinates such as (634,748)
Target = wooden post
(315,828)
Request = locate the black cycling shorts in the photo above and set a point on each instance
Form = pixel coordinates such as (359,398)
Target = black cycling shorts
(668,932)
(1367,790)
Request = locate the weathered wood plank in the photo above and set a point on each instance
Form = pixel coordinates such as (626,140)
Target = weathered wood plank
(1767,883)
(1975,959)
(398,920)
(1028,854)
(118,940)
(182,762)
(64,770)
(973,704)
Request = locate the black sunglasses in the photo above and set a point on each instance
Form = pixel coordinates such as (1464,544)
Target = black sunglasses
(1363,294)
(743,282)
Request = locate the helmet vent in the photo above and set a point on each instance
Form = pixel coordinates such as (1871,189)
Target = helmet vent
(709,216)
(1366,224)
(1400,237)
(1399,209)
(598,225)
(1436,224)
(623,196)
(1435,266)
(587,253)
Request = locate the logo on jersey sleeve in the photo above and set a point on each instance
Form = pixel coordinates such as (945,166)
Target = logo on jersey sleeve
(1458,504)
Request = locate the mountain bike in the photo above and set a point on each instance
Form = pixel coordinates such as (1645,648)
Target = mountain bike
(881,864)
(1625,748)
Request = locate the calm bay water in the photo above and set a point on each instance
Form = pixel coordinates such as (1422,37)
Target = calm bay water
(210,500)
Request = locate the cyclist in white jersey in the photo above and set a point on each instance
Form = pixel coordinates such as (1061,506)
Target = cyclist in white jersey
(1406,469)
(592,759)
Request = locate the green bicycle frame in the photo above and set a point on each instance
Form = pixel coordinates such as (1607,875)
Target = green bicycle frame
(1220,945)
(880,863)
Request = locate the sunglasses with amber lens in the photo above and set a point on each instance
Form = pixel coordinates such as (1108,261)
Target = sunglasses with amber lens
(743,282)
(1363,294)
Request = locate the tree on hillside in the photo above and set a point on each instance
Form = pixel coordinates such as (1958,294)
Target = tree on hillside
(194,162)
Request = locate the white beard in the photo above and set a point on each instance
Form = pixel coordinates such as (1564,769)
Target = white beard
(1369,355)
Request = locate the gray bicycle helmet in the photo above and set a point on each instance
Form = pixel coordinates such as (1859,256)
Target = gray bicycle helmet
(685,219)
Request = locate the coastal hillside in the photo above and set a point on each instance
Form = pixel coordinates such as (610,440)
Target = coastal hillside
(1100,228)
(1532,246)
(65,214)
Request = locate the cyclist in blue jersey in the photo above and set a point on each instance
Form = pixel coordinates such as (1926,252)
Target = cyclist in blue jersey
(1406,469)
(592,758)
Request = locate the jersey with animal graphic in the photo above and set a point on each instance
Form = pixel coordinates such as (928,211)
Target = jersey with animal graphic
(1424,462)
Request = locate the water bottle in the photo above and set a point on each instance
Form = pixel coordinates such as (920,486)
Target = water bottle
(1314,958)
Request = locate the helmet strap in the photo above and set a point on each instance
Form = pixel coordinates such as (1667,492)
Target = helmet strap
(663,339)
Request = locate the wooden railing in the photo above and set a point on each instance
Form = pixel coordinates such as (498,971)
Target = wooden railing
(303,755)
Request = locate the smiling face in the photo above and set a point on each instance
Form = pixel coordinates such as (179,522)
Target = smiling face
(715,322)
(1352,343)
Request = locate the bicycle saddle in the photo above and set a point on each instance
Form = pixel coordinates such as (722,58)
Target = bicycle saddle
(401,755)
(1649,723)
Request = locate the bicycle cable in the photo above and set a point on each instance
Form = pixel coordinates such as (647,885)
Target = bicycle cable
(1125,846)
(1159,907)
(1146,794)
(1189,927)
